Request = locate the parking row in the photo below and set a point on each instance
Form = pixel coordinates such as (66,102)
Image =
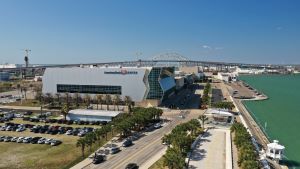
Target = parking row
(62,121)
(32,140)
(47,129)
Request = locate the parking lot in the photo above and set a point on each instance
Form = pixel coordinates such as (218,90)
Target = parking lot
(31,154)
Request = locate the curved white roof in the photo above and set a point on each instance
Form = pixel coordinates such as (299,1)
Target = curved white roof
(95,112)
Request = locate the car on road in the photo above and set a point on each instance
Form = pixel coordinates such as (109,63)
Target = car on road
(98,159)
(132,166)
(115,150)
(127,143)
(157,125)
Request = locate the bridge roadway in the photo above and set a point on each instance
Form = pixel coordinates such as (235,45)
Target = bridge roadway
(140,63)
(145,148)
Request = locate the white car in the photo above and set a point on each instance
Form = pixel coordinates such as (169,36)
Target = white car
(14,139)
(42,141)
(20,140)
(69,132)
(27,139)
(20,129)
(48,141)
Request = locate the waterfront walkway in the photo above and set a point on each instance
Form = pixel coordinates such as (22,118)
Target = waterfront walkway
(213,150)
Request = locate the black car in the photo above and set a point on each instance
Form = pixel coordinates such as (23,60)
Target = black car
(127,143)
(35,140)
(132,166)
(98,159)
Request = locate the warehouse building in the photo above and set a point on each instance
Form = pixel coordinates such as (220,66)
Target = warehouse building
(144,85)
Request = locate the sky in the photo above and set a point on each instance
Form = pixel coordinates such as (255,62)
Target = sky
(87,31)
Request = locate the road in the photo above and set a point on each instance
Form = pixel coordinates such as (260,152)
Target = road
(145,148)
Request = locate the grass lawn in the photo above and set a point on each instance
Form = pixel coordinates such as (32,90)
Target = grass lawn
(159,164)
(28,102)
(40,156)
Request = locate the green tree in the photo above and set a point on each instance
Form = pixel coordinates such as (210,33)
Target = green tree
(174,159)
(203,119)
(65,110)
(81,142)
(128,103)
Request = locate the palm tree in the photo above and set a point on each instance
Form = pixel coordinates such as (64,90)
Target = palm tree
(19,88)
(107,99)
(77,96)
(128,103)
(87,99)
(58,98)
(99,99)
(24,89)
(81,142)
(65,111)
(90,139)
(67,97)
(116,101)
(203,119)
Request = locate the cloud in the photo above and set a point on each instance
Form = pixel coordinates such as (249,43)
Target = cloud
(206,47)
(211,47)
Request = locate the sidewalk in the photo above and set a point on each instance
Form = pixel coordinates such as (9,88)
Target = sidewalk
(213,151)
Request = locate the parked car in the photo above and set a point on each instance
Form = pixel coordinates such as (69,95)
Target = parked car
(35,140)
(2,138)
(115,150)
(20,139)
(98,159)
(55,142)
(27,139)
(41,141)
(7,139)
(48,141)
(14,139)
(132,166)
(127,143)
(69,132)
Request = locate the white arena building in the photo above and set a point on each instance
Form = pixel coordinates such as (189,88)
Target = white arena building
(150,84)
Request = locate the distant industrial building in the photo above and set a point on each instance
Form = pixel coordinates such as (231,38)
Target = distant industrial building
(227,77)
(143,85)
(92,115)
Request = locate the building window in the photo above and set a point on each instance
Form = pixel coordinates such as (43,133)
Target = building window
(89,89)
